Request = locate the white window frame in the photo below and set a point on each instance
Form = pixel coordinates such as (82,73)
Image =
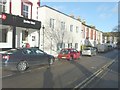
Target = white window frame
(71,28)
(52,23)
(3,5)
(25,11)
(62,25)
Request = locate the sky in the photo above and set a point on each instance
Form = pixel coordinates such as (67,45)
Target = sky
(103,15)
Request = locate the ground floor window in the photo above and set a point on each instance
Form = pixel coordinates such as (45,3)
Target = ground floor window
(69,45)
(3,35)
(60,46)
(76,45)
(24,35)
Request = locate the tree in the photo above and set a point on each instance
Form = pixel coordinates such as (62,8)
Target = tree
(116,33)
(56,35)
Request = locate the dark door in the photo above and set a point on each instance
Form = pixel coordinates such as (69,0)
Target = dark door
(29,56)
(41,56)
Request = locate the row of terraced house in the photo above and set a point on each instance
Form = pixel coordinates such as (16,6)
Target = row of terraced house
(25,21)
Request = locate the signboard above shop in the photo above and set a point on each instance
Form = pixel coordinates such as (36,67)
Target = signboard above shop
(8,19)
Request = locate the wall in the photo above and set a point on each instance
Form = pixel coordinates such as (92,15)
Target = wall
(45,14)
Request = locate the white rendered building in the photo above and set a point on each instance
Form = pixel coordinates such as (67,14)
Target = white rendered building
(58,30)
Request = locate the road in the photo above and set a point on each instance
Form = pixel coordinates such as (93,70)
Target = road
(64,74)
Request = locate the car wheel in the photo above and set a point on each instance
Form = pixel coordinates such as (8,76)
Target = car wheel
(22,66)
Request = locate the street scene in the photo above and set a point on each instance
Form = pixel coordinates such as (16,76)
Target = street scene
(62,44)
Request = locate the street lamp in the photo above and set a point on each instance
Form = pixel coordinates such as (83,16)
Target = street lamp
(43,36)
(51,45)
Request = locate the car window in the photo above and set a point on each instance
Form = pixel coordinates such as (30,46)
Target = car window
(28,51)
(75,50)
(64,51)
(87,49)
(39,52)
(11,51)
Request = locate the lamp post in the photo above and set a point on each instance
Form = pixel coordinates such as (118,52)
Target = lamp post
(51,46)
(43,36)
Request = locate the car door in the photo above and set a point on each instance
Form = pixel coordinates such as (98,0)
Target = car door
(41,56)
(77,54)
(29,56)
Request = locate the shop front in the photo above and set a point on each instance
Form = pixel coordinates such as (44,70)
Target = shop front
(16,31)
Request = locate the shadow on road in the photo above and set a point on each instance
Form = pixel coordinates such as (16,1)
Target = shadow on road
(48,79)
(109,54)
(84,70)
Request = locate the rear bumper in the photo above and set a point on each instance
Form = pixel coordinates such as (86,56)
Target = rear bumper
(86,53)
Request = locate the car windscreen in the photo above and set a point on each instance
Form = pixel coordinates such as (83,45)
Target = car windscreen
(86,48)
(11,51)
(64,52)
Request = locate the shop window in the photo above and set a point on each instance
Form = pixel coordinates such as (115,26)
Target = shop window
(3,35)
(24,35)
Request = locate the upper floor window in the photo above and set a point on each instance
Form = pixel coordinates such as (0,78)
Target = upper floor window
(62,25)
(25,10)
(52,22)
(71,28)
(77,29)
(2,6)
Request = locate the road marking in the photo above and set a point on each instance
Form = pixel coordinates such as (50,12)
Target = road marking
(94,75)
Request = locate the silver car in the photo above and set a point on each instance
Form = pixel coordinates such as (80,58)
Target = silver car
(89,51)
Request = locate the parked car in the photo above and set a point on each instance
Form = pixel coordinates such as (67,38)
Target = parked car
(69,54)
(23,58)
(89,51)
(102,47)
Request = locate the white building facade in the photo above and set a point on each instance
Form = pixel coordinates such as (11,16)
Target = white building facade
(59,31)
(25,13)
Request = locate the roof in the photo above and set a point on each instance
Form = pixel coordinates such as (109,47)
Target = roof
(59,12)
(68,16)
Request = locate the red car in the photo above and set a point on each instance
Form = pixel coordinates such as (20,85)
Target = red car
(69,54)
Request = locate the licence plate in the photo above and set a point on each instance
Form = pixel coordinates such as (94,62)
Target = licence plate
(63,57)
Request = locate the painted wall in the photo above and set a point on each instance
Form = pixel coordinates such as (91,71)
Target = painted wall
(44,14)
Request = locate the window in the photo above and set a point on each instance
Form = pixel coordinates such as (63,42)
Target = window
(2,6)
(52,22)
(25,10)
(77,30)
(24,35)
(39,52)
(3,35)
(71,28)
(62,25)
(28,51)
(69,45)
(76,45)
(60,45)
